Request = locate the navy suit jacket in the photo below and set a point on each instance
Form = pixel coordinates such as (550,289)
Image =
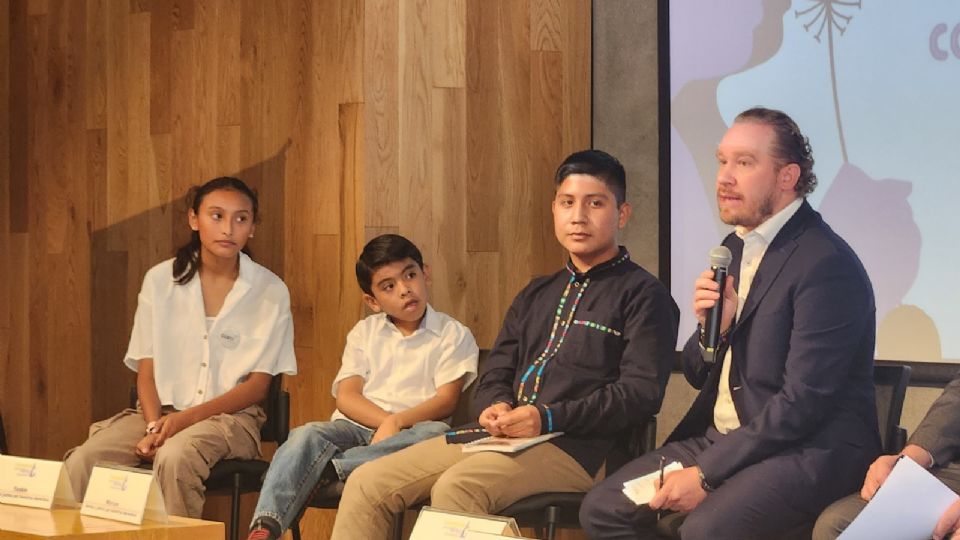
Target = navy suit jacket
(802,367)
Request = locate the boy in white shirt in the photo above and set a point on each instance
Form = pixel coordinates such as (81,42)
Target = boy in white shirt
(402,372)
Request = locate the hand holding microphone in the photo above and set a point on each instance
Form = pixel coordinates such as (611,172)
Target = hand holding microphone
(714,316)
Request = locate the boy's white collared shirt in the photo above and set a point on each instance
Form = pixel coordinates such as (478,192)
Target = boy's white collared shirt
(400,372)
(253,332)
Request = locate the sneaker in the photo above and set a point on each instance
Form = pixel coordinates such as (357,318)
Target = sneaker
(264,528)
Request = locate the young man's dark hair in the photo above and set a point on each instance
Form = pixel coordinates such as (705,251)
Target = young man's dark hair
(598,164)
(382,250)
(791,146)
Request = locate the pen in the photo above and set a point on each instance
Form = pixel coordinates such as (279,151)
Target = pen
(663,459)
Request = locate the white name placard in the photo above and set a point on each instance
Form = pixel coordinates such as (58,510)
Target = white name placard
(124,494)
(434,524)
(39,483)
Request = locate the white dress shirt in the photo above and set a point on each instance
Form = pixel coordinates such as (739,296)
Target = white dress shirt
(755,244)
(196,360)
(400,372)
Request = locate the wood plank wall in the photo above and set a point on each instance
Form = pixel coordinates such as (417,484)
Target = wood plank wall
(439,119)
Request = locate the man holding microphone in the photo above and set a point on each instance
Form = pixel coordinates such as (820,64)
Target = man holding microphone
(785,421)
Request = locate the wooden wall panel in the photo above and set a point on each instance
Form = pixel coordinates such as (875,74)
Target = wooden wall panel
(18,111)
(5,293)
(382,114)
(442,120)
(484,88)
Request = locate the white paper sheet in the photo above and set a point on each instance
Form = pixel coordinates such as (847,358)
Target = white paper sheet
(906,507)
(641,490)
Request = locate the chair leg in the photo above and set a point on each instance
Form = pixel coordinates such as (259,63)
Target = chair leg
(295,529)
(551,514)
(235,509)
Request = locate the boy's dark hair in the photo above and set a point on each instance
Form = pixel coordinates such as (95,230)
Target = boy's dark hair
(791,146)
(383,250)
(598,164)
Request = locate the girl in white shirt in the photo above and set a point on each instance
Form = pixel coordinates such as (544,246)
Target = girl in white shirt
(212,328)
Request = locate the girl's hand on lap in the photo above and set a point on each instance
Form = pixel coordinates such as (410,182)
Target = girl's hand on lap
(146,449)
(171,424)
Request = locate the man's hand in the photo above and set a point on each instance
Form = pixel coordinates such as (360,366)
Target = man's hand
(876,475)
(706,292)
(520,422)
(880,469)
(146,449)
(681,491)
(490,415)
(389,427)
(948,523)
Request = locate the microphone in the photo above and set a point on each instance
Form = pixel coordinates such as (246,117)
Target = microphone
(720,258)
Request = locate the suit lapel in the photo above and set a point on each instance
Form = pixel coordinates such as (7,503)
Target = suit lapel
(775,258)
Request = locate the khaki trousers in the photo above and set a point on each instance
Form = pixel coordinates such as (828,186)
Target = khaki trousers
(181,465)
(482,483)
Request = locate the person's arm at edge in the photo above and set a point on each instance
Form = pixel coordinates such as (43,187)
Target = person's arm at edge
(936,438)
(939,431)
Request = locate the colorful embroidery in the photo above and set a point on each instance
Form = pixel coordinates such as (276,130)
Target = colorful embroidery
(553,344)
(598,326)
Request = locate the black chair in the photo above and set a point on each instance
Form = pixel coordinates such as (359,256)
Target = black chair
(890,384)
(547,512)
(235,477)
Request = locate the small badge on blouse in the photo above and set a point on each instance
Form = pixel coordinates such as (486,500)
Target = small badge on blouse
(229,339)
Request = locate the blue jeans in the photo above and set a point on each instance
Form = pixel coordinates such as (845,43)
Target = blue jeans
(297,464)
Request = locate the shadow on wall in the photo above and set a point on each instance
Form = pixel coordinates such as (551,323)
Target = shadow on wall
(123,252)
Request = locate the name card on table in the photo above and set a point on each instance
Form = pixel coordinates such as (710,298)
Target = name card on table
(123,494)
(434,524)
(39,483)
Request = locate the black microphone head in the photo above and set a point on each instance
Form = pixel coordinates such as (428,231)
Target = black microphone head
(720,257)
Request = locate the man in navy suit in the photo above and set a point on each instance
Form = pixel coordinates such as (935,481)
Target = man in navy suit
(785,421)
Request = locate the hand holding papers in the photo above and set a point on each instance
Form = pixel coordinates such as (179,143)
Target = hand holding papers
(641,490)
(907,506)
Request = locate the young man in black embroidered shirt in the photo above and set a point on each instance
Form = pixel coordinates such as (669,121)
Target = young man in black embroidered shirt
(586,351)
